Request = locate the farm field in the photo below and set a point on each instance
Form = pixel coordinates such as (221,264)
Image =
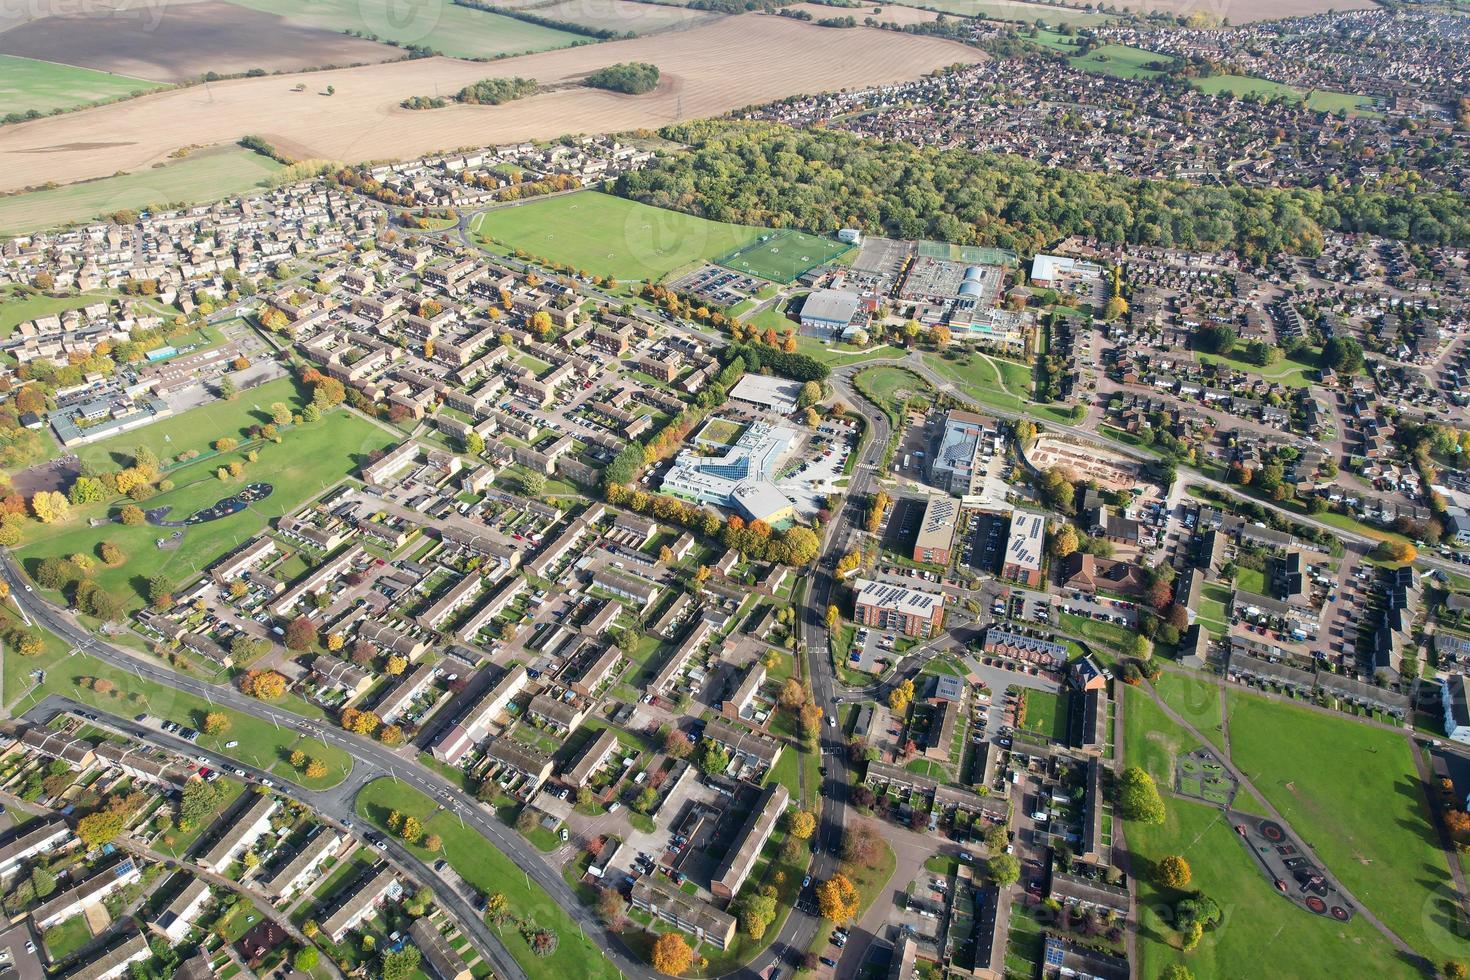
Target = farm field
(892,13)
(623,16)
(27,84)
(1372,829)
(1249,11)
(459,32)
(207,175)
(194,38)
(1262,933)
(784,255)
(308,460)
(609,235)
(705,71)
(1015,10)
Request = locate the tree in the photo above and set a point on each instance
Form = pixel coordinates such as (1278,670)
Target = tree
(1063,541)
(396,665)
(1177,971)
(611,908)
(1342,354)
(390,735)
(533,483)
(280,413)
(756,911)
(496,907)
(432,843)
(671,954)
(85,490)
(102,827)
(677,744)
(810,394)
(131,515)
(50,507)
(838,899)
(1138,797)
(216,722)
(1455,970)
(264,684)
(474,443)
(404,964)
(714,757)
(801,824)
(111,554)
(301,634)
(1172,871)
(305,959)
(315,769)
(1005,870)
(901,697)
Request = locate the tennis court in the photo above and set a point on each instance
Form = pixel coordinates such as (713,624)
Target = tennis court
(973,254)
(783,256)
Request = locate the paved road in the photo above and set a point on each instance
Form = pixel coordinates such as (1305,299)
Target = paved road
(371,761)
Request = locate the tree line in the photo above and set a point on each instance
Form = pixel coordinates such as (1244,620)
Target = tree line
(821,180)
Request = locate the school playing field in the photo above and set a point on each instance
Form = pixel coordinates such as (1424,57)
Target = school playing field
(27,84)
(207,175)
(783,255)
(610,236)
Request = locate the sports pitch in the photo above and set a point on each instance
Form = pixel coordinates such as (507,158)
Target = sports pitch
(610,236)
(784,255)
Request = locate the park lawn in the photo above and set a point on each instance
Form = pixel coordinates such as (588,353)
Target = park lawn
(486,868)
(1120,61)
(1195,700)
(883,384)
(986,380)
(1150,739)
(839,353)
(198,428)
(26,84)
(460,32)
(207,175)
(1296,371)
(1243,85)
(1262,934)
(67,937)
(311,458)
(609,235)
(1353,794)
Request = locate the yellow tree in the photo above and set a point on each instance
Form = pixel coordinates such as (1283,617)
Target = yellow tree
(837,899)
(901,697)
(802,824)
(50,506)
(671,954)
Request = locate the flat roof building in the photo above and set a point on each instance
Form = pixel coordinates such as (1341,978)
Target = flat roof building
(1024,549)
(895,607)
(936,531)
(741,857)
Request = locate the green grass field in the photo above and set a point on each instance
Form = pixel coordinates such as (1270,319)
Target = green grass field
(837,354)
(460,32)
(883,384)
(1120,61)
(1243,85)
(308,460)
(1046,714)
(487,869)
(1262,934)
(205,176)
(1151,740)
(608,235)
(17,308)
(1294,372)
(1354,796)
(67,937)
(27,84)
(994,381)
(1196,701)
(197,428)
(784,256)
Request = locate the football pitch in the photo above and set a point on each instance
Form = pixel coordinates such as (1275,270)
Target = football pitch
(610,236)
(784,256)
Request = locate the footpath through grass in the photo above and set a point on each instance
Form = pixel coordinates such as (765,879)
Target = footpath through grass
(487,869)
(1352,792)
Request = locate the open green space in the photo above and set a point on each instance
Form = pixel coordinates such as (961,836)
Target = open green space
(1212,609)
(207,175)
(1195,700)
(784,255)
(885,384)
(1151,739)
(839,353)
(1351,791)
(994,382)
(460,32)
(310,458)
(27,84)
(258,742)
(17,306)
(609,235)
(1263,934)
(489,870)
(1120,61)
(1246,85)
(1296,371)
(1046,714)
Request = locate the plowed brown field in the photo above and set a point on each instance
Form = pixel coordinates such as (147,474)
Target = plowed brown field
(707,70)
